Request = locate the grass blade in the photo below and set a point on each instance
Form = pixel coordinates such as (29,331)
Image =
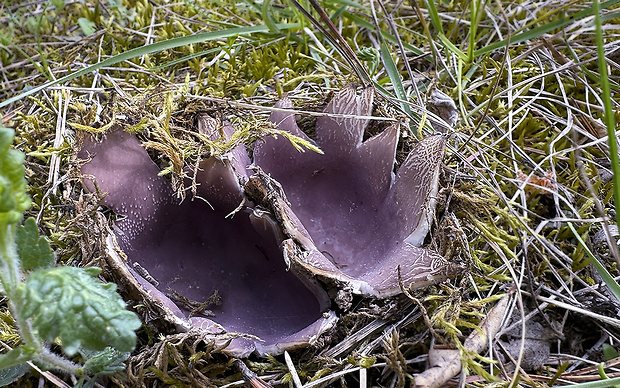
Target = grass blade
(435,20)
(600,268)
(611,136)
(392,72)
(538,31)
(268,17)
(451,47)
(609,113)
(598,384)
(155,47)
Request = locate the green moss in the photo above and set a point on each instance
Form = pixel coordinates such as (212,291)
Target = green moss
(154,96)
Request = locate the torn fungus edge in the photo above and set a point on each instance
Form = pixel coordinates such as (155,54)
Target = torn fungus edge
(140,288)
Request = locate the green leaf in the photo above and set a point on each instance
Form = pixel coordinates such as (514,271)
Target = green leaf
(598,384)
(371,56)
(34,252)
(106,362)
(87,26)
(10,374)
(71,304)
(392,71)
(434,15)
(450,46)
(609,352)
(58,4)
(609,280)
(16,356)
(13,198)
(268,17)
(33,25)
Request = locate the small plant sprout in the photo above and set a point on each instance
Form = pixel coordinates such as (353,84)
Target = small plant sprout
(64,304)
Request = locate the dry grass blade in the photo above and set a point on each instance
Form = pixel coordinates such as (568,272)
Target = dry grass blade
(292,370)
(250,377)
(336,39)
(445,364)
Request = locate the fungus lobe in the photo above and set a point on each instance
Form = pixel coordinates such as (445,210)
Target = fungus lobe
(191,251)
(343,214)
(365,221)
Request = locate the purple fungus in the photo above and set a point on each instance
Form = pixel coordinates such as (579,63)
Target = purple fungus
(204,269)
(366,222)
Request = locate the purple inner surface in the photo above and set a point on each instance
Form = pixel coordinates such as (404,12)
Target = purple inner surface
(193,249)
(360,215)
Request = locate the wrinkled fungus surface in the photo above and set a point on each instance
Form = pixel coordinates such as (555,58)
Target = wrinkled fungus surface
(364,220)
(192,248)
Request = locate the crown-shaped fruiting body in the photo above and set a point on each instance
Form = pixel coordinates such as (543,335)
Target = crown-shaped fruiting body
(343,215)
(192,250)
(365,221)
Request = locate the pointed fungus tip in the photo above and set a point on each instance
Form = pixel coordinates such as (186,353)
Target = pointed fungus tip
(353,206)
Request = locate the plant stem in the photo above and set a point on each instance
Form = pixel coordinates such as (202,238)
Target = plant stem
(10,277)
(609,113)
(58,362)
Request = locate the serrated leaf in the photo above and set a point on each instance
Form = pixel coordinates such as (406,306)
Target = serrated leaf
(13,198)
(34,251)
(88,27)
(10,374)
(71,304)
(106,362)
(16,356)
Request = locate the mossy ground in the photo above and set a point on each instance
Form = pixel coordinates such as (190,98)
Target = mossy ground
(527,161)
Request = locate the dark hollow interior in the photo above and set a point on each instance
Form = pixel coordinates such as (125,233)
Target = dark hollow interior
(197,251)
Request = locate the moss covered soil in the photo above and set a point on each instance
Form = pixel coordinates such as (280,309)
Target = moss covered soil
(526,199)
